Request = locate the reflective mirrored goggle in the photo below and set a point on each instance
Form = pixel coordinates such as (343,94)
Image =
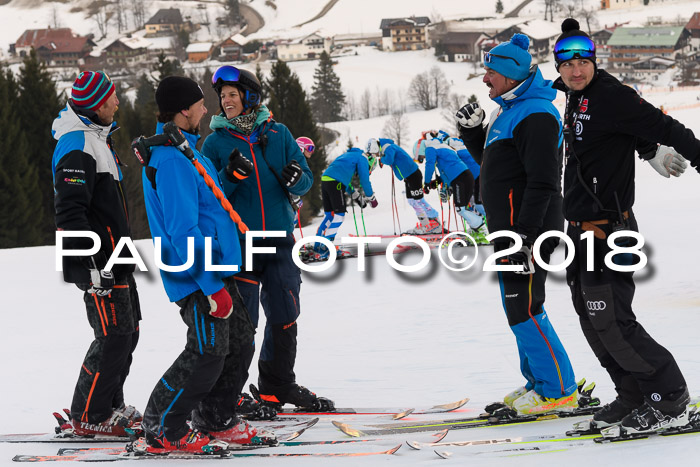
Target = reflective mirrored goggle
(226,73)
(488,58)
(574,47)
(308,147)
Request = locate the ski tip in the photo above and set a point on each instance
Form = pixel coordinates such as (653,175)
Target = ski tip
(347,429)
(394,449)
(443,454)
(440,435)
(414,445)
(312,422)
(403,414)
(452,406)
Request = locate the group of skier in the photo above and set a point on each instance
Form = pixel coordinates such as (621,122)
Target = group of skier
(249,175)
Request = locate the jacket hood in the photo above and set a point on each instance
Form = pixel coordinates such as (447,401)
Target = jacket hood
(533,87)
(220,120)
(68,121)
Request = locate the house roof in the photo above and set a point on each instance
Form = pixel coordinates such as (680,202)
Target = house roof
(166,16)
(694,22)
(35,37)
(646,37)
(133,42)
(540,29)
(196,47)
(416,20)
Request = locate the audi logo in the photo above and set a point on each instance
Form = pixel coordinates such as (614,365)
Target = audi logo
(596,306)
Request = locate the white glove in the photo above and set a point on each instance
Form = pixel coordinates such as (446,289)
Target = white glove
(668,161)
(456,144)
(470,115)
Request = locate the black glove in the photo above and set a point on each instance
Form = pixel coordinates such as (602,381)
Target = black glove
(434,184)
(522,257)
(102,281)
(359,199)
(291,174)
(238,167)
(426,188)
(470,115)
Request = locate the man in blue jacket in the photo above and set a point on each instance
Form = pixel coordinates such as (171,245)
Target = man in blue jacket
(262,168)
(521,166)
(189,222)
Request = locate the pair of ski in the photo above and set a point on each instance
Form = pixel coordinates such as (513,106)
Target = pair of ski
(496,414)
(570,439)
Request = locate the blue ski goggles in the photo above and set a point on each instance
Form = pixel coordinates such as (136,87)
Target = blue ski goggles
(574,47)
(224,74)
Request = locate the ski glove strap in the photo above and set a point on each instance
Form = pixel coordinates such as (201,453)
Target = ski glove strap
(668,161)
(470,115)
(238,168)
(221,304)
(291,174)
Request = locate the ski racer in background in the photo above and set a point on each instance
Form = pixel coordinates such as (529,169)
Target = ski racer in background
(89,196)
(181,202)
(453,173)
(458,145)
(606,122)
(262,168)
(335,181)
(407,170)
(521,164)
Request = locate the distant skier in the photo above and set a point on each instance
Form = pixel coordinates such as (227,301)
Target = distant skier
(335,181)
(521,159)
(407,170)
(458,145)
(453,173)
(90,196)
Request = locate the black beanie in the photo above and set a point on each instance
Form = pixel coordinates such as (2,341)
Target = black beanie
(569,28)
(176,93)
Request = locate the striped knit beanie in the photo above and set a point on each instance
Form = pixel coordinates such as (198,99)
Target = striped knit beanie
(91,89)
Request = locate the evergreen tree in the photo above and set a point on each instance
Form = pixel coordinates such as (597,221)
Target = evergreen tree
(211,102)
(327,97)
(38,105)
(165,67)
(290,106)
(499,6)
(22,214)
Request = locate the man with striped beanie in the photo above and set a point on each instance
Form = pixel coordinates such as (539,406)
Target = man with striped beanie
(89,196)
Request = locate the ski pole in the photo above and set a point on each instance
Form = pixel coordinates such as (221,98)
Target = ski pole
(362,216)
(393,202)
(352,203)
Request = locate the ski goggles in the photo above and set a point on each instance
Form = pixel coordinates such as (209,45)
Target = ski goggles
(226,73)
(308,147)
(574,47)
(488,58)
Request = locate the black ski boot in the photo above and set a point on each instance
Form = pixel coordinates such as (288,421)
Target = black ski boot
(251,409)
(653,416)
(611,414)
(299,396)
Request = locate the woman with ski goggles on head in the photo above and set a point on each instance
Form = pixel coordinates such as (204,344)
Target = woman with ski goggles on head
(262,168)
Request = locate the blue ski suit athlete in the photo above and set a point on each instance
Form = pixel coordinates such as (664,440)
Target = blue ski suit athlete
(447,162)
(393,155)
(348,164)
(262,203)
(521,167)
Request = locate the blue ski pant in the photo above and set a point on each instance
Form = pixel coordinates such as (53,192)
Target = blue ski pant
(543,360)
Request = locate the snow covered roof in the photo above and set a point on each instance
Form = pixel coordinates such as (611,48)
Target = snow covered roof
(646,37)
(416,20)
(134,42)
(199,47)
(489,26)
(540,29)
(240,39)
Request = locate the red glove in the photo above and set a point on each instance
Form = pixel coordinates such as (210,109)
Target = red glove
(221,304)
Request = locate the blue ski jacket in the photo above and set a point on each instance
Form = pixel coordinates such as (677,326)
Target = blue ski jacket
(260,200)
(348,164)
(394,156)
(447,161)
(182,206)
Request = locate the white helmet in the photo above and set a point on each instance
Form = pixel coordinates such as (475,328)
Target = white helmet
(372,146)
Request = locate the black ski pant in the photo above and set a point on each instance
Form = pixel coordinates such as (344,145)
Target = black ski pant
(333,197)
(274,282)
(639,366)
(462,189)
(414,185)
(201,384)
(114,320)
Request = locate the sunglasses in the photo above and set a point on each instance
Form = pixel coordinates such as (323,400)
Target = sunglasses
(488,58)
(226,73)
(574,47)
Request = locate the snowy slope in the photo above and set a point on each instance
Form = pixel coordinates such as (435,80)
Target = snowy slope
(387,339)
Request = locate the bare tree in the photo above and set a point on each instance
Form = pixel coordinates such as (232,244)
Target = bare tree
(366,104)
(589,16)
(120,13)
(439,86)
(138,11)
(550,6)
(570,8)
(100,17)
(382,104)
(350,108)
(395,127)
(452,104)
(55,20)
(419,92)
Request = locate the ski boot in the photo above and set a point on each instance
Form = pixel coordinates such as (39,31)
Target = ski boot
(194,442)
(251,409)
(305,400)
(532,403)
(242,433)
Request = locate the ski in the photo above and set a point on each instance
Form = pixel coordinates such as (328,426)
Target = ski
(67,437)
(396,412)
(123,455)
(496,414)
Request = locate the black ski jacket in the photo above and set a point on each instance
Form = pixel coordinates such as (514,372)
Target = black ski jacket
(607,121)
(89,195)
(521,160)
